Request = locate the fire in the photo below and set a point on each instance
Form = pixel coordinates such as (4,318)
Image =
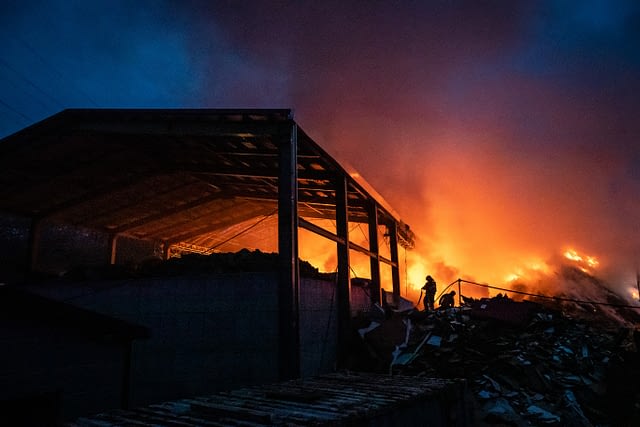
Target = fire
(586,263)
(572,255)
(529,269)
(531,272)
(512,277)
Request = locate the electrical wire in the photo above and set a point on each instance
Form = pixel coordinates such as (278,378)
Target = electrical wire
(366,238)
(59,74)
(31,83)
(577,301)
(19,113)
(241,232)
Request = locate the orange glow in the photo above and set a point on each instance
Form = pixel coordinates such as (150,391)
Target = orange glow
(471,222)
(493,200)
(572,255)
(584,262)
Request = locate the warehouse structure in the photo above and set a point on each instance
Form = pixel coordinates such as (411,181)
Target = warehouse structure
(171,181)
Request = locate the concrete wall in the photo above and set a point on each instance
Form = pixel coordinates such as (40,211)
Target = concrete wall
(209,332)
(318,327)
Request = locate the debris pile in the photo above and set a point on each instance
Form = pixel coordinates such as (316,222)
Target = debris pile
(525,363)
(218,262)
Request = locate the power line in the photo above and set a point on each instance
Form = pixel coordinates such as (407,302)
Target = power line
(241,232)
(10,108)
(35,53)
(483,285)
(31,83)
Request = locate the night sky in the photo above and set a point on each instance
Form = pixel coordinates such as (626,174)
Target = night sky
(503,132)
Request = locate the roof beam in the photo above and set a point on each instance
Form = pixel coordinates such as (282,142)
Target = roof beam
(165,213)
(247,172)
(303,223)
(116,187)
(178,128)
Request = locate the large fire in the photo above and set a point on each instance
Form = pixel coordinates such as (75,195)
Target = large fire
(586,262)
(477,245)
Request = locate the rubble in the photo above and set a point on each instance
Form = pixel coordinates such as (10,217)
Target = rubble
(244,260)
(526,363)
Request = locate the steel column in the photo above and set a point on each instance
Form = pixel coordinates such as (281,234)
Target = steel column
(125,396)
(395,270)
(289,276)
(113,248)
(166,250)
(35,230)
(373,247)
(343,291)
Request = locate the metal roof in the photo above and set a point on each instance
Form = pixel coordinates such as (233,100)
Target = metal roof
(167,175)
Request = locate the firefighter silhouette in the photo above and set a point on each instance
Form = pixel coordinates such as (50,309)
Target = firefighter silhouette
(446,300)
(429,290)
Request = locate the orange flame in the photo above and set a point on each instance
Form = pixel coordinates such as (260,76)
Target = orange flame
(586,263)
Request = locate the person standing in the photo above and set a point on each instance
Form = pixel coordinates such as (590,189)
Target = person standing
(429,289)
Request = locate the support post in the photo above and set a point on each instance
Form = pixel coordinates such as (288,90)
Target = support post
(395,269)
(113,248)
(343,291)
(166,250)
(374,248)
(35,230)
(125,396)
(289,277)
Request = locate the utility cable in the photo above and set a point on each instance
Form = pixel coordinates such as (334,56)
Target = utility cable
(36,54)
(366,238)
(541,296)
(32,84)
(241,232)
(10,108)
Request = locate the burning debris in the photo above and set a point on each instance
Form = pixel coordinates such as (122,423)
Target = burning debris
(526,363)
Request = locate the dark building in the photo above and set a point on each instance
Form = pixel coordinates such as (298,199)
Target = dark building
(59,361)
(94,204)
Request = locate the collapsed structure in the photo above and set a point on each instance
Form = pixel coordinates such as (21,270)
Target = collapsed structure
(113,187)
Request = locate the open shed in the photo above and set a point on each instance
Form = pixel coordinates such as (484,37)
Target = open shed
(178,177)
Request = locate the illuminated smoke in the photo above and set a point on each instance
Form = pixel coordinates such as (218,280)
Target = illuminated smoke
(502,135)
